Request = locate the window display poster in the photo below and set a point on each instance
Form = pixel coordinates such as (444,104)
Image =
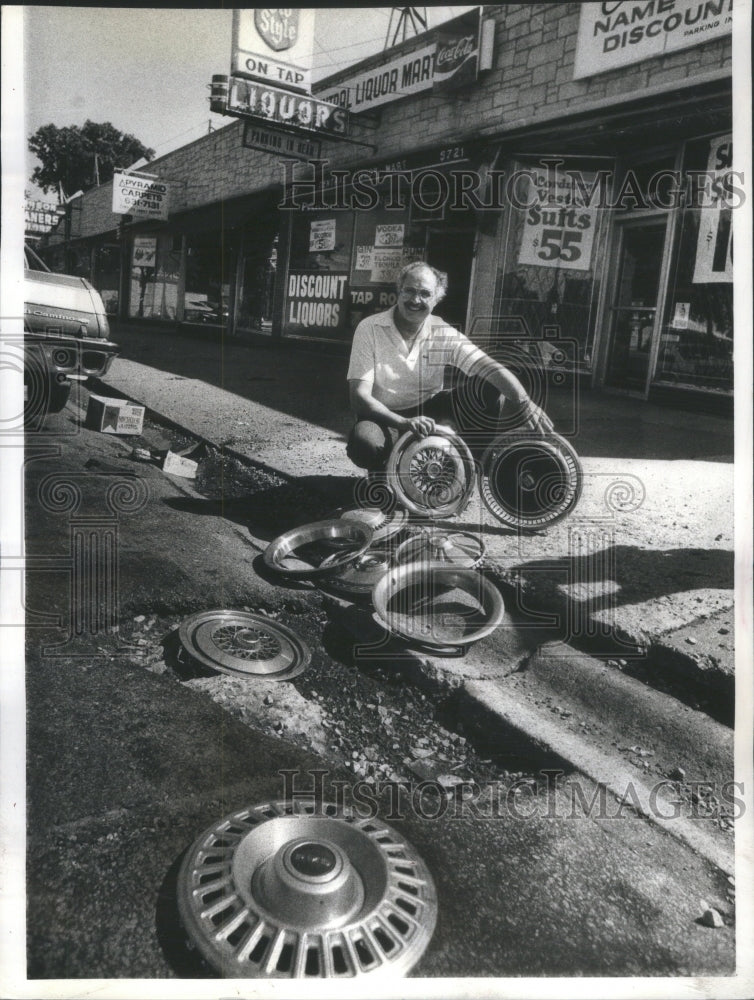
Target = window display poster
(145,251)
(383,263)
(364,257)
(389,236)
(321,235)
(714,244)
(558,227)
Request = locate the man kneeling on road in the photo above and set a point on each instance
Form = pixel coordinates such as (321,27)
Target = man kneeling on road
(396,373)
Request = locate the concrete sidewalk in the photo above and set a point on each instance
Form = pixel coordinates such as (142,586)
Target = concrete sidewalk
(641,571)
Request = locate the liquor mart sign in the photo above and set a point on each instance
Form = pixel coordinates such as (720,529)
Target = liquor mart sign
(618,33)
(408,74)
(463,48)
(274,45)
(141,196)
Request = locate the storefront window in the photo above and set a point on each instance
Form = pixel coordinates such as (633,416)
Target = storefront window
(106,278)
(548,288)
(317,290)
(208,277)
(384,241)
(258,270)
(155,274)
(696,346)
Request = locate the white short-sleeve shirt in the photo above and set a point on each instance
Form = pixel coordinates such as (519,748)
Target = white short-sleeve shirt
(402,378)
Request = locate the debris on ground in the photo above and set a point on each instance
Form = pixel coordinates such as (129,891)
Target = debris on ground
(711,917)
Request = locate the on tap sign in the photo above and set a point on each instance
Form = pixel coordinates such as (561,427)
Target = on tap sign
(274,45)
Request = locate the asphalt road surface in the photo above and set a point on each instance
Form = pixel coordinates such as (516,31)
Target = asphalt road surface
(129,758)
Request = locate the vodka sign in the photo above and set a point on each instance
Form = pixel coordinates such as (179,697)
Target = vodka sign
(274,45)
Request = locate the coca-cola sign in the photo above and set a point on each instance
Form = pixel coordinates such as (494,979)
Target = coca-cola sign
(277,26)
(457,57)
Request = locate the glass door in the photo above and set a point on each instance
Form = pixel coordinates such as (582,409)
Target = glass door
(633,315)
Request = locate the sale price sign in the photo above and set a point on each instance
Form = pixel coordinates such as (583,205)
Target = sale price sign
(558,228)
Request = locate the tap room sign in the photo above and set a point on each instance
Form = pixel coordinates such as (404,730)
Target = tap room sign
(274,45)
(623,32)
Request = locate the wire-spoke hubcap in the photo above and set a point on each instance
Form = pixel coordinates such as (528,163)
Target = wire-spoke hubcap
(296,890)
(431,476)
(240,642)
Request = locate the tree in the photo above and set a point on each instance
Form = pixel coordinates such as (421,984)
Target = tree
(79,157)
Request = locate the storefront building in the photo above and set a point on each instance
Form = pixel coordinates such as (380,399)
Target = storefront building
(569,165)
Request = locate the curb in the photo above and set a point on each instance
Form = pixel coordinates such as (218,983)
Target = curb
(693,678)
(531,727)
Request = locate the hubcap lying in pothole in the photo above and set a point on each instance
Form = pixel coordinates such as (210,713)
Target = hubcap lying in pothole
(288,890)
(437,605)
(360,577)
(442,545)
(385,524)
(239,642)
(302,551)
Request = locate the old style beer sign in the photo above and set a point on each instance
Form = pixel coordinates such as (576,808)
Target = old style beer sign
(274,45)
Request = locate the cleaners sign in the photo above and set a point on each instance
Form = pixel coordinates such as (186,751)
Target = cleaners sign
(558,229)
(142,197)
(623,32)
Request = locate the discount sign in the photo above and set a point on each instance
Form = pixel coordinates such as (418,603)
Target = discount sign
(558,228)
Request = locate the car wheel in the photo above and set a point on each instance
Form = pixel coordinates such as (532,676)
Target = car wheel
(44,395)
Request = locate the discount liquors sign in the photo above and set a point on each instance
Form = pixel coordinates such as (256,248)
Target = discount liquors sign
(558,229)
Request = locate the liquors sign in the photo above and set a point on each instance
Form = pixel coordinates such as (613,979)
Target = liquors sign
(274,45)
(297,112)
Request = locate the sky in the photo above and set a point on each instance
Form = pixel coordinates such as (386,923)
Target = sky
(147,70)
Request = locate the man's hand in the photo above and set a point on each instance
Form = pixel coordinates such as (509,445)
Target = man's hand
(420,426)
(533,417)
(536,419)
